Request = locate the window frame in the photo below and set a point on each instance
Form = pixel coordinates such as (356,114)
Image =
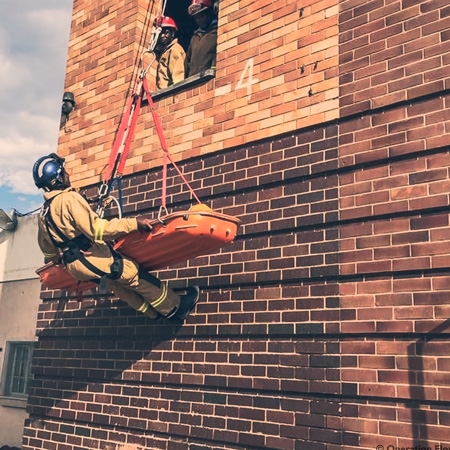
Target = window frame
(8,395)
(184,85)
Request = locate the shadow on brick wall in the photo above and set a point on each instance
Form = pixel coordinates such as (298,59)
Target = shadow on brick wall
(90,354)
(420,352)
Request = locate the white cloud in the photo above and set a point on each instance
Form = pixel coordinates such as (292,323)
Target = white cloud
(18,153)
(33,49)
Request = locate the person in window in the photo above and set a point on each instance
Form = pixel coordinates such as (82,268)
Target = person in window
(70,231)
(201,54)
(169,54)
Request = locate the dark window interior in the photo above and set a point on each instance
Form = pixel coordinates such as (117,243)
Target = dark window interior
(178,11)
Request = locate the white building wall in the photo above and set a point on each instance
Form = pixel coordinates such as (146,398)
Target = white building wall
(19,298)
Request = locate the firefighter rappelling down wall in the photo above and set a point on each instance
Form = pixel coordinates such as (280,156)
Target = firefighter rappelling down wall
(81,248)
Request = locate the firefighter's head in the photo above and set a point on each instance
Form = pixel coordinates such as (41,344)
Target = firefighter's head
(49,173)
(168,31)
(202,11)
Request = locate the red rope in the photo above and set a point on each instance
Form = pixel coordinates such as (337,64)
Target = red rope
(122,142)
(130,134)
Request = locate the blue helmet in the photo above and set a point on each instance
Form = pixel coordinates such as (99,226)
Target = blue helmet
(48,172)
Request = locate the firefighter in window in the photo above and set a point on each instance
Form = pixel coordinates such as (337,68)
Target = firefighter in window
(70,231)
(169,54)
(201,54)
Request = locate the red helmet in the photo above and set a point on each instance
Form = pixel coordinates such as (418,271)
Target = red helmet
(165,22)
(197,6)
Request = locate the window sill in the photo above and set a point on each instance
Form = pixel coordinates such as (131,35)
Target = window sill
(12,402)
(185,84)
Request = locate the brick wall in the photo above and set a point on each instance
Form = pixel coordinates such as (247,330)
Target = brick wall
(394,205)
(324,326)
(217,380)
(270,56)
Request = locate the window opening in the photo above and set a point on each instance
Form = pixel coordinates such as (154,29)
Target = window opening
(187,25)
(18,369)
(178,11)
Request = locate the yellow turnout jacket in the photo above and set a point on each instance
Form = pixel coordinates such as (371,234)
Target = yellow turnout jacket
(170,69)
(73,216)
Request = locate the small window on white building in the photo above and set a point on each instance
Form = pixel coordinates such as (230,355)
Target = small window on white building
(17,369)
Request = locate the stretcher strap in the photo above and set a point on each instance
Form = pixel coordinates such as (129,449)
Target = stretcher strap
(165,148)
(164,183)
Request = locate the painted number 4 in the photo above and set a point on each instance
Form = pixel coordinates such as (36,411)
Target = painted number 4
(246,79)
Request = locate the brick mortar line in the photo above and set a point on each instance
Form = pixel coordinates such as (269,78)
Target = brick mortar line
(168,436)
(403,274)
(302,395)
(418,337)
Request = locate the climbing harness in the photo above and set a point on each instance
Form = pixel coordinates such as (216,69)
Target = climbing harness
(74,249)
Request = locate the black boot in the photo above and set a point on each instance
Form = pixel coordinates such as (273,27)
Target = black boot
(187,303)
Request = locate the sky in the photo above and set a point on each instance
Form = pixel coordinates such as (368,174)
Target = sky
(33,50)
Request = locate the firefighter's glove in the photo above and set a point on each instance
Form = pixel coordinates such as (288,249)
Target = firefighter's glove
(144,224)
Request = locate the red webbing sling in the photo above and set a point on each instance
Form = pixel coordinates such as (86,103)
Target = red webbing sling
(124,137)
(167,156)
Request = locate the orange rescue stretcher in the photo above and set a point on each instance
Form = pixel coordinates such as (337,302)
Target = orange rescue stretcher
(175,238)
